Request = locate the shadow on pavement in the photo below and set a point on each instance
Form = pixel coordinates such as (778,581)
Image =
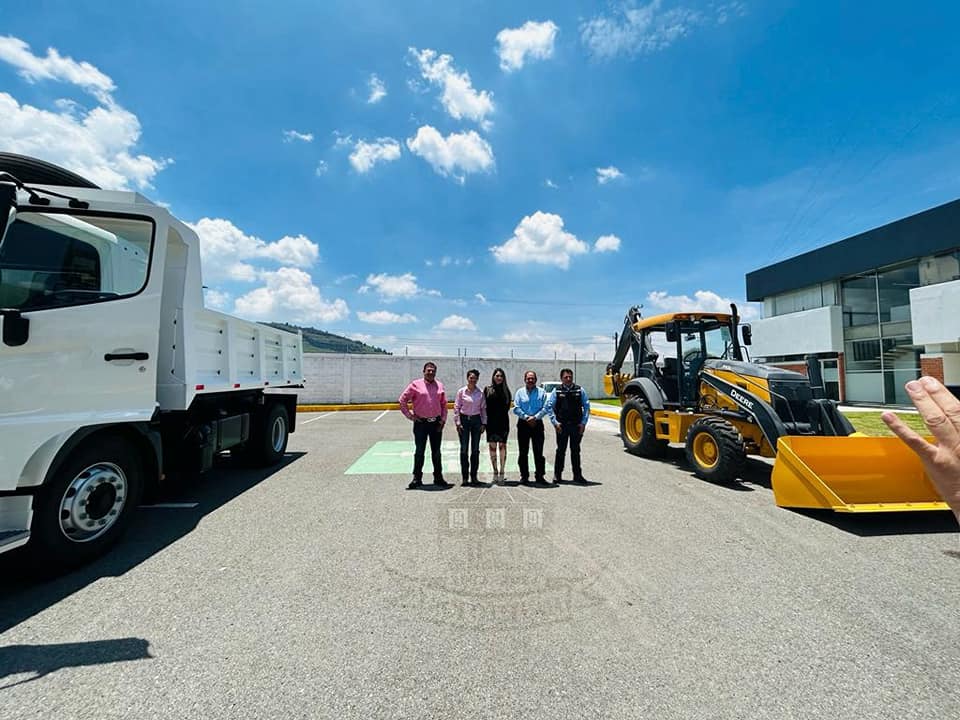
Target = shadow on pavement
(23,594)
(887,523)
(41,660)
(756,476)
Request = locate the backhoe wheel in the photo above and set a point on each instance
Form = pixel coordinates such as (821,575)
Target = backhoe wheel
(715,450)
(637,429)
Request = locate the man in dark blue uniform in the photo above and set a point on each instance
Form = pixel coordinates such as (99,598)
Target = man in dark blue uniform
(568,408)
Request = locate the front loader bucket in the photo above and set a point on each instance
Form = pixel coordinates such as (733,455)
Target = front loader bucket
(851,474)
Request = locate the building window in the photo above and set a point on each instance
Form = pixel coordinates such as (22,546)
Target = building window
(808,298)
(893,292)
(860,301)
(941,268)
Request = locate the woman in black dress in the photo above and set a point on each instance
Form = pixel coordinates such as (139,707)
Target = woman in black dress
(498,422)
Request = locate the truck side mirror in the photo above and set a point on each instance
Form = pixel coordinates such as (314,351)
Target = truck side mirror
(8,208)
(747,333)
(673,332)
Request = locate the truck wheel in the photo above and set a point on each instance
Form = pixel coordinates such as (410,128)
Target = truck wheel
(637,429)
(87,504)
(268,442)
(715,450)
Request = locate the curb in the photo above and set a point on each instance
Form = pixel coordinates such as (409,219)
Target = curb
(611,414)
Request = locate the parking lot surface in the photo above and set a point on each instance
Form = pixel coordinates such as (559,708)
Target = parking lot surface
(325,589)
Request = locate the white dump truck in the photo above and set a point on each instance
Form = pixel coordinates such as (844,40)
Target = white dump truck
(113,374)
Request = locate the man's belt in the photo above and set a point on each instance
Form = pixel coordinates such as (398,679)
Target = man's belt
(433,419)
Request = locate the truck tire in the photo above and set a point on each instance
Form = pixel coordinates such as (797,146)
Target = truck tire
(268,436)
(715,450)
(637,430)
(86,504)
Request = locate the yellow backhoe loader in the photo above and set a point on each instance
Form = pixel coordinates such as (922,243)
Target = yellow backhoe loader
(691,384)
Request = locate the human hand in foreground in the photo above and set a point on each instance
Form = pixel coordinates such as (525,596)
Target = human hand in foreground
(940,411)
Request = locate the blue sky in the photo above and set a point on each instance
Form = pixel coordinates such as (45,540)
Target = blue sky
(489,175)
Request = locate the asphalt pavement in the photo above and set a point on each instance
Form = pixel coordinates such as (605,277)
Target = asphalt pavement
(325,589)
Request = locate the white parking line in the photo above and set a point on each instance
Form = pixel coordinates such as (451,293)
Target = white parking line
(314,419)
(170,506)
(380,415)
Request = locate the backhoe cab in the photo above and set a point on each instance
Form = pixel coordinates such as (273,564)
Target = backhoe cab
(691,383)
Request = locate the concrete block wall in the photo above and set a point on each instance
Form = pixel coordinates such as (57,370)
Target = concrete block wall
(341,378)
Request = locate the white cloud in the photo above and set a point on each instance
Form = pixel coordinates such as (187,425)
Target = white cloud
(393,287)
(550,184)
(632,30)
(607,243)
(291,135)
(97,143)
(340,140)
(289,295)
(384,317)
(378,91)
(481,298)
(365,155)
(216,299)
(532,39)
(456,155)
(224,247)
(459,98)
(55,67)
(540,238)
(456,322)
(702,300)
(322,168)
(446,261)
(608,174)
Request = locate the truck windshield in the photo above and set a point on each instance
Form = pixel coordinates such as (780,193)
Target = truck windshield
(51,260)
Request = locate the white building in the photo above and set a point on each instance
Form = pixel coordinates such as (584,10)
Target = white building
(878,308)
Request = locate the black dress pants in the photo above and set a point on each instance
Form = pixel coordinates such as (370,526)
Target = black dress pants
(525,434)
(570,432)
(470,440)
(421,431)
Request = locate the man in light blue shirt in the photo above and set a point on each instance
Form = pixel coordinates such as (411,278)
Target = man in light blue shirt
(530,407)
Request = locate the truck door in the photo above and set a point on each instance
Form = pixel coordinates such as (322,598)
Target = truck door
(88,355)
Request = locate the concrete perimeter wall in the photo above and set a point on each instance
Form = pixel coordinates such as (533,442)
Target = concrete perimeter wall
(341,378)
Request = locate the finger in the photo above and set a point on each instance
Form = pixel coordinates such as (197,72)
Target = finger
(918,444)
(947,401)
(932,414)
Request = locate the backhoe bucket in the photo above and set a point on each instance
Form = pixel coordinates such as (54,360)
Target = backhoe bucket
(853,474)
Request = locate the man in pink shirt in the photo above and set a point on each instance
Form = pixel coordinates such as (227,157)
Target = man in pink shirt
(428,413)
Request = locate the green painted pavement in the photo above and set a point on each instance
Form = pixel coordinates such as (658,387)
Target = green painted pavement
(395,457)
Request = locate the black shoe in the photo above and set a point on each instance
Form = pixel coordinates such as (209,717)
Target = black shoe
(525,481)
(440,482)
(414,484)
(557,479)
(581,480)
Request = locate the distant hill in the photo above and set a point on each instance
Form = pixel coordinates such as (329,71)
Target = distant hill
(319,341)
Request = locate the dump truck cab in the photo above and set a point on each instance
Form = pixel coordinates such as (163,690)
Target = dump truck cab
(113,374)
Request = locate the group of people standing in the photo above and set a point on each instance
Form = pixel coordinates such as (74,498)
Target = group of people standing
(477,411)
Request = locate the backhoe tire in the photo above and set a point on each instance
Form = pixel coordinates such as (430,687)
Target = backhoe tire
(715,450)
(637,430)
